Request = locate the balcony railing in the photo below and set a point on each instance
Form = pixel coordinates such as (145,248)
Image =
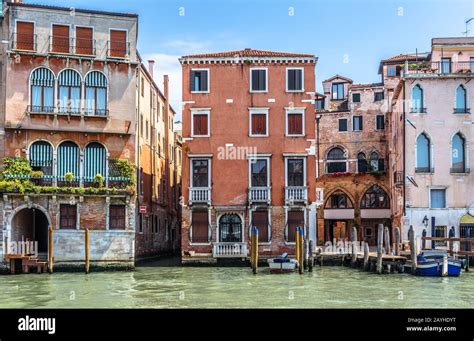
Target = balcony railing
(398,178)
(296,194)
(40,109)
(85,182)
(439,67)
(119,50)
(80,46)
(259,195)
(229,250)
(199,195)
(23,42)
(459,170)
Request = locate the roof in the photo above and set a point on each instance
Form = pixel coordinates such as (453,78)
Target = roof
(367,85)
(68,9)
(338,76)
(400,58)
(249,53)
(453,41)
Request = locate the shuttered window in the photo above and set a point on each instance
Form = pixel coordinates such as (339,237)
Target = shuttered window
(258,124)
(60,39)
(294,78)
(380,122)
(85,41)
(199,81)
(118,44)
(96,94)
(95,160)
(42,85)
(117,217)
(68,217)
(200,124)
(25,36)
(68,159)
(260,221)
(69,92)
(200,227)
(258,81)
(357,123)
(295,123)
(294,219)
(41,157)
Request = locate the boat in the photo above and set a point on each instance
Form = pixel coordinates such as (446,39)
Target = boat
(282,264)
(435,263)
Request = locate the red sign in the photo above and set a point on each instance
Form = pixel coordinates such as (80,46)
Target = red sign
(143,209)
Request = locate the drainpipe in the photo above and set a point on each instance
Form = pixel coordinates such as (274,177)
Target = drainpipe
(318,118)
(404,151)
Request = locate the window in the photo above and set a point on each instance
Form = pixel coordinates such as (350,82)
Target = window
(67,217)
(294,219)
(356,123)
(200,173)
(375,197)
(441,232)
(295,172)
(96,86)
(41,157)
(259,173)
(378,96)
(199,80)
(60,39)
(342,124)
(117,217)
(336,161)
(260,221)
(294,123)
(25,36)
(42,90)
(258,80)
(458,154)
(376,164)
(320,104)
(200,123)
(147,130)
(68,160)
(95,162)
(85,41)
(461,99)
(438,198)
(338,200)
(380,122)
(393,70)
(471,64)
(294,80)
(445,65)
(362,166)
(69,92)
(356,98)
(423,154)
(200,227)
(142,87)
(417,99)
(258,122)
(338,91)
(118,46)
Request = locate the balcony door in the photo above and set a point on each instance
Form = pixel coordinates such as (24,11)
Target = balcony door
(295,173)
(230,229)
(60,39)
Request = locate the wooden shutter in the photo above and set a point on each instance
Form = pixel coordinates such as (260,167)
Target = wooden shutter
(84,41)
(68,216)
(200,124)
(118,43)
(260,220)
(25,36)
(259,124)
(295,219)
(295,124)
(200,227)
(61,39)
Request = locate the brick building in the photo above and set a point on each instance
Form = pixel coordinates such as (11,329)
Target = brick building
(248,154)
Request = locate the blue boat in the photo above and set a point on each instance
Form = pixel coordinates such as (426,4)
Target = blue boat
(431,263)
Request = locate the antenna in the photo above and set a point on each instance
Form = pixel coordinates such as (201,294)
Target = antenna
(467,22)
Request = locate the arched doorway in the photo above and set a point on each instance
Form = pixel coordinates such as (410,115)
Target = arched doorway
(31,224)
(230,229)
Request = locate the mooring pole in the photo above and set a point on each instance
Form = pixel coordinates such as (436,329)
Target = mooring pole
(297,246)
(379,267)
(255,260)
(397,241)
(366,256)
(354,247)
(311,258)
(87,250)
(387,240)
(306,253)
(50,250)
(414,261)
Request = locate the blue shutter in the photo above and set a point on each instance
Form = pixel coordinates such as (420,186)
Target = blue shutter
(42,77)
(69,78)
(96,79)
(95,161)
(68,159)
(41,154)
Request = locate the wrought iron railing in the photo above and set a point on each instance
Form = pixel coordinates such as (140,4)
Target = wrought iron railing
(23,42)
(119,50)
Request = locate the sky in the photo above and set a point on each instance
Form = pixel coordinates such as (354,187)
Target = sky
(349,37)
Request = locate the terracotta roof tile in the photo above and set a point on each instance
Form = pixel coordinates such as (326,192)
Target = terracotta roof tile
(403,57)
(248,53)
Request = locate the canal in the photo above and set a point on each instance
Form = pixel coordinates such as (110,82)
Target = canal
(164,284)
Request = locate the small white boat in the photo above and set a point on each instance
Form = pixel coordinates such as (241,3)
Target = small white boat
(282,264)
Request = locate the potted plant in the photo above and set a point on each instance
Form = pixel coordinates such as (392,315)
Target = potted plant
(99,180)
(69,177)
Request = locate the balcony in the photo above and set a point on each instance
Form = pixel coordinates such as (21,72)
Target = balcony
(398,179)
(296,194)
(23,42)
(118,50)
(259,195)
(66,45)
(438,68)
(71,111)
(229,250)
(199,195)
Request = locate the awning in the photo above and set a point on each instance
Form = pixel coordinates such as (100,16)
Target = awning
(375,213)
(467,219)
(339,214)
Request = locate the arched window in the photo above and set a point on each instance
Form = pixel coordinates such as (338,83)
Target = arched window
(375,197)
(95,161)
(376,163)
(69,92)
(458,154)
(41,87)
(68,161)
(417,99)
(230,229)
(96,94)
(423,154)
(461,99)
(336,161)
(338,200)
(41,157)
(361,163)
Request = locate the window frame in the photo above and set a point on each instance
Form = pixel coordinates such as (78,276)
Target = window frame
(75,40)
(339,125)
(358,94)
(258,111)
(266,79)
(302,78)
(332,91)
(328,161)
(382,93)
(259,158)
(201,112)
(209,168)
(35,47)
(209,232)
(301,111)
(69,206)
(127,43)
(208,70)
(287,158)
(437,188)
(109,227)
(377,123)
(361,123)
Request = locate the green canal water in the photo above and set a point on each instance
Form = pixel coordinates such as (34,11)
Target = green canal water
(165,285)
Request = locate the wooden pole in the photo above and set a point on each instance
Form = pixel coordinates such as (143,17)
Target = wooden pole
(255,260)
(50,250)
(424,240)
(366,256)
(311,253)
(354,247)
(414,261)
(397,241)
(5,247)
(386,236)
(379,249)
(300,249)
(306,254)
(87,250)
(297,246)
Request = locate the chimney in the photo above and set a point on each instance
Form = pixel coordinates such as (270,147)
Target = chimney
(165,86)
(151,67)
